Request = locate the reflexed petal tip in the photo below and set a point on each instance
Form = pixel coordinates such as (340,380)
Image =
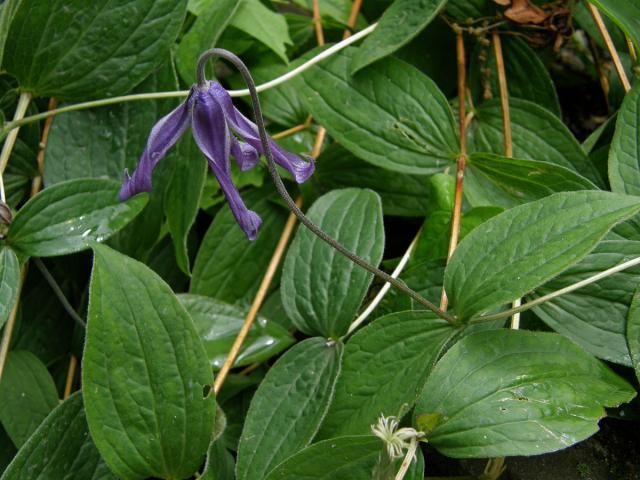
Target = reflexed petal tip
(134,185)
(250,223)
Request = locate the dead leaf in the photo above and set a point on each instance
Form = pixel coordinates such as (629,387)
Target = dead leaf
(504,3)
(523,11)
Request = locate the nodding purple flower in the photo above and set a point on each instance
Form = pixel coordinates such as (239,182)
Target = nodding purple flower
(212,116)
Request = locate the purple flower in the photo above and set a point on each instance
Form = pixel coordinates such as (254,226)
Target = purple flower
(212,116)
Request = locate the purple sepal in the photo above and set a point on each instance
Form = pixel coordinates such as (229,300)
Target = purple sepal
(164,134)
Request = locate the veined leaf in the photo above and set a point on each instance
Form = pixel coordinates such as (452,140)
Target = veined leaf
(9,282)
(624,155)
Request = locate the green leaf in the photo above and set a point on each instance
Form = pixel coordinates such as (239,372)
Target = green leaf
(625,14)
(9,282)
(287,409)
(229,267)
(537,135)
(27,395)
(343,458)
(326,304)
(496,180)
(512,392)
(522,248)
(463,10)
(384,368)
(182,197)
(633,333)
(401,22)
(265,25)
(218,325)
(106,47)
(102,142)
(394,117)
(6,17)
(402,194)
(220,464)
(70,216)
(624,155)
(595,316)
(527,77)
(61,447)
(144,369)
(204,33)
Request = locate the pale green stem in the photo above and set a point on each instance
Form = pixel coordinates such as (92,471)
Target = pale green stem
(7,148)
(9,126)
(408,458)
(383,291)
(557,293)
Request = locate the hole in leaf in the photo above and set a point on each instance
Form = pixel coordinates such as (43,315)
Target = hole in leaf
(206,390)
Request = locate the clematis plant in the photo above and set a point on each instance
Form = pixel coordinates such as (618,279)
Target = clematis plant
(210,112)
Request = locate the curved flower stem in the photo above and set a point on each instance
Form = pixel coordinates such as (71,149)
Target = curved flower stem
(7,148)
(557,293)
(59,293)
(9,126)
(280,187)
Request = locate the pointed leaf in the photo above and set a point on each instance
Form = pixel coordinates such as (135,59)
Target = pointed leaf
(143,373)
(230,268)
(69,216)
(624,155)
(287,409)
(401,22)
(218,325)
(625,14)
(394,117)
(27,395)
(61,447)
(498,180)
(326,304)
(106,48)
(9,282)
(384,367)
(537,135)
(513,392)
(633,332)
(343,458)
(520,249)
(595,316)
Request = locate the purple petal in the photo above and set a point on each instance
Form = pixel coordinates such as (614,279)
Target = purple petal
(245,154)
(248,130)
(164,134)
(214,139)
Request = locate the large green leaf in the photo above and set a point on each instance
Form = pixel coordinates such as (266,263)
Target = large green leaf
(624,155)
(287,409)
(537,135)
(204,33)
(265,25)
(527,77)
(326,304)
(144,369)
(626,14)
(394,117)
(69,216)
(402,194)
(343,458)
(6,17)
(102,142)
(182,197)
(229,267)
(27,395)
(595,316)
(218,325)
(520,249)
(73,49)
(633,332)
(384,367)
(496,180)
(9,282)
(513,392)
(401,22)
(61,447)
